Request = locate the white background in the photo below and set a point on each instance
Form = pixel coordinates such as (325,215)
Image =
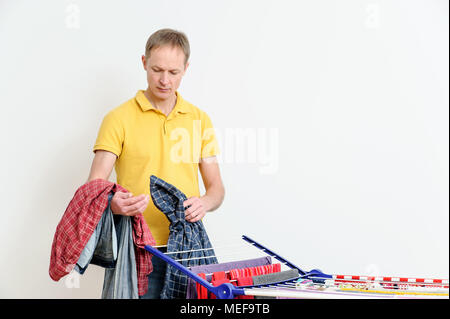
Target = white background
(355,91)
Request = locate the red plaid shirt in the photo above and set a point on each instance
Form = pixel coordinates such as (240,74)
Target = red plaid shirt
(78,224)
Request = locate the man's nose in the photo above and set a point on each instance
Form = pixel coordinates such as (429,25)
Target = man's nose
(164,79)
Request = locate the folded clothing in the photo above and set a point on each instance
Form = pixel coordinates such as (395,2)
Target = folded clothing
(273,279)
(276,277)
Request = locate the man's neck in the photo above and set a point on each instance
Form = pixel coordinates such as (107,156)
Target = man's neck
(166,106)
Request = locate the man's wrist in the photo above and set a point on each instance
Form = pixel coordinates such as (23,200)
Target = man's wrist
(210,203)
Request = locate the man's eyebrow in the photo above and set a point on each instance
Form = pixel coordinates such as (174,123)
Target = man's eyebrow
(160,68)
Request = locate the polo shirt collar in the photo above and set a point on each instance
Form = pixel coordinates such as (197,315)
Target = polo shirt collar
(145,104)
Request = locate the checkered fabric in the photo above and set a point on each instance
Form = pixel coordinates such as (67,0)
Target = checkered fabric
(78,223)
(185,238)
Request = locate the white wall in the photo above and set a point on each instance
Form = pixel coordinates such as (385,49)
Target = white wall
(350,99)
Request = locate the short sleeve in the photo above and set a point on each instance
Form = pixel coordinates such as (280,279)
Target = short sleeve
(210,145)
(111,135)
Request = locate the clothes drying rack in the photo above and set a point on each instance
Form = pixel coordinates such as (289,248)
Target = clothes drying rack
(315,284)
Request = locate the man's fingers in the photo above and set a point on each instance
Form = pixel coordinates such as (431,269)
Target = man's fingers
(133,200)
(191,209)
(189,201)
(192,214)
(123,195)
(137,208)
(190,205)
(137,204)
(194,217)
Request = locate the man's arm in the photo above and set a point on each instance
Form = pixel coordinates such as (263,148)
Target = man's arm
(102,165)
(121,203)
(215,191)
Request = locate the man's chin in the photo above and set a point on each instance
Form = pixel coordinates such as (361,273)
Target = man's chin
(162,96)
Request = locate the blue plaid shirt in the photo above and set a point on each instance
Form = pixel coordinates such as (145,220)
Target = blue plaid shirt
(183,236)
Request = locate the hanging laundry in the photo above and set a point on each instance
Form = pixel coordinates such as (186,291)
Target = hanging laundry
(121,282)
(274,278)
(209,269)
(218,278)
(188,238)
(202,292)
(244,281)
(219,275)
(101,249)
(113,250)
(236,277)
(78,224)
(254,271)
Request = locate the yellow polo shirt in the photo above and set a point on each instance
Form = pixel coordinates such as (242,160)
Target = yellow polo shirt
(147,142)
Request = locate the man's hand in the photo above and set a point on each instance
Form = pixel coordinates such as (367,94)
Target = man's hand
(127,205)
(197,209)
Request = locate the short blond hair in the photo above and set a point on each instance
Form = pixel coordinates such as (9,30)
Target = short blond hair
(170,37)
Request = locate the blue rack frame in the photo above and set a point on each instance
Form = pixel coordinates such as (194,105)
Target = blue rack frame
(229,291)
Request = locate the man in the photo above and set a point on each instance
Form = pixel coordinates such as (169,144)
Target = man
(158,132)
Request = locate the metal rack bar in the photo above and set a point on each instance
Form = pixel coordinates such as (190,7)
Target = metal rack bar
(224,291)
(315,274)
(289,288)
(227,290)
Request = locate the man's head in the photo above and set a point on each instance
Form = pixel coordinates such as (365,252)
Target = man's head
(165,61)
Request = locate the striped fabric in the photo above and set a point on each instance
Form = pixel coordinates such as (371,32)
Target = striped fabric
(254,271)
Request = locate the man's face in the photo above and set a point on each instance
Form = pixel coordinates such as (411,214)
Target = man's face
(165,68)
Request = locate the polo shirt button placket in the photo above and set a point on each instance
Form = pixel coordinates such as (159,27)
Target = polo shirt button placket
(164,118)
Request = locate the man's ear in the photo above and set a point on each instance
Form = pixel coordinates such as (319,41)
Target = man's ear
(185,67)
(144,62)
